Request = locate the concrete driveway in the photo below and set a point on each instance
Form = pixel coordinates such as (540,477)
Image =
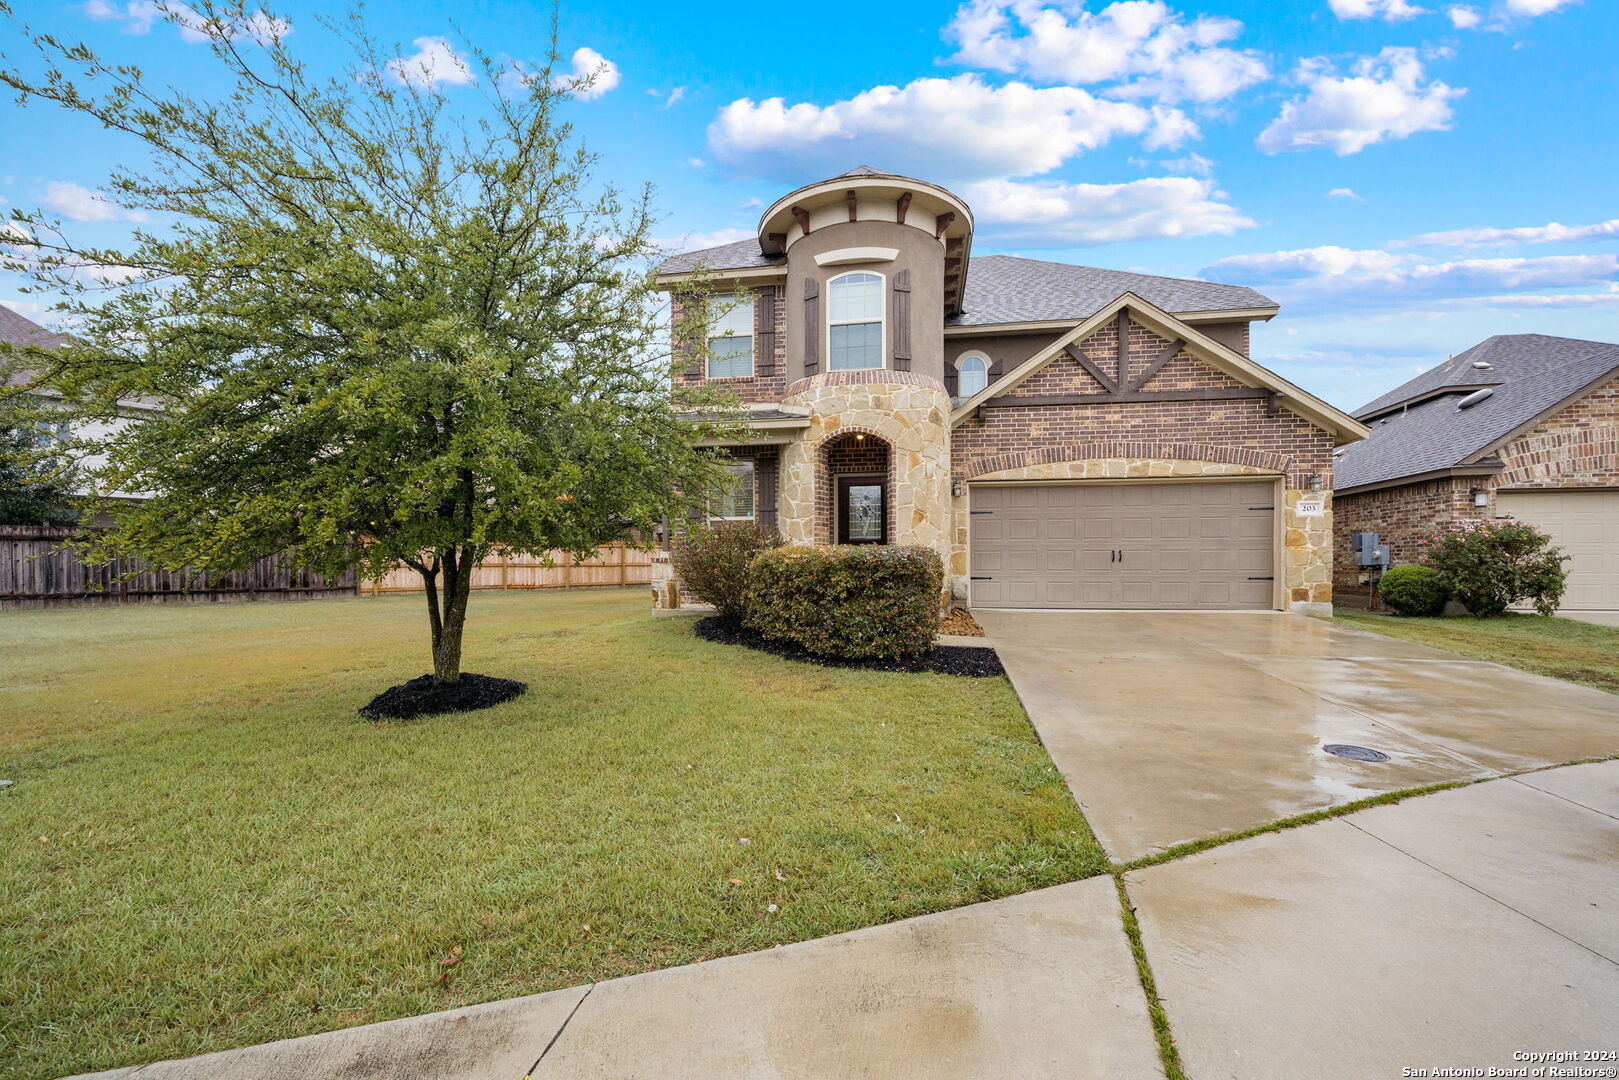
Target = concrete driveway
(1175,726)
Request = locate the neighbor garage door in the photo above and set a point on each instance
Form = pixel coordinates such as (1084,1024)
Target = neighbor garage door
(1166,545)
(1586,526)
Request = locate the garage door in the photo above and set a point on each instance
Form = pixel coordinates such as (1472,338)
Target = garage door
(1586,525)
(1190,545)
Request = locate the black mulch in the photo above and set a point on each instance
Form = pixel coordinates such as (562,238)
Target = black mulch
(424,697)
(973,663)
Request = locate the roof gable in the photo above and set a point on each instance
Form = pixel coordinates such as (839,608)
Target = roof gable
(1492,362)
(1219,357)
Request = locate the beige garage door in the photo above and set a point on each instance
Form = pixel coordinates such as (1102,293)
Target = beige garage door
(1167,545)
(1586,525)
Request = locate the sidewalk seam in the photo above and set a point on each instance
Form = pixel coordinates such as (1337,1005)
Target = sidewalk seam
(1169,1058)
(1481,892)
(534,1068)
(1519,778)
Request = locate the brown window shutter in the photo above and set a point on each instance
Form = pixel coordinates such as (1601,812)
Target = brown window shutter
(812,327)
(685,344)
(764,473)
(901,330)
(950,377)
(764,330)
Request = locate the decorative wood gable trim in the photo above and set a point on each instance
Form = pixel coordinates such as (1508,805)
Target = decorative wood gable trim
(1260,383)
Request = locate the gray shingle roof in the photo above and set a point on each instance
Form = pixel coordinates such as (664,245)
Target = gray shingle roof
(1509,357)
(1007,289)
(1435,434)
(16,330)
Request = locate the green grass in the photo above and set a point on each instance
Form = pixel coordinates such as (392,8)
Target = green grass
(1578,652)
(205,847)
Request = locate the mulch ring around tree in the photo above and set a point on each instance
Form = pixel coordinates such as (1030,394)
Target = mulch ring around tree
(424,697)
(973,663)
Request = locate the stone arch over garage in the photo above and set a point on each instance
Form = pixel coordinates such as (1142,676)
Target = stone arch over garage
(1114,458)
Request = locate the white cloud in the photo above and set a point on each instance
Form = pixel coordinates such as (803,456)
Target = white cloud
(434,62)
(673,98)
(1387,10)
(1144,46)
(959,128)
(698,241)
(1054,214)
(1194,164)
(1531,8)
(1332,276)
(138,17)
(81,204)
(1551,233)
(1344,193)
(1384,97)
(696,163)
(593,75)
(1463,17)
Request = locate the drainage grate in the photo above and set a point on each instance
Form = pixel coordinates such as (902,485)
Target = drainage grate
(1355,753)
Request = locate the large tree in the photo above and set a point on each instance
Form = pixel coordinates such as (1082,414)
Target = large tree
(37,476)
(383,331)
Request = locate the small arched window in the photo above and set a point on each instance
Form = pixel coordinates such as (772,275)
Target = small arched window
(972,374)
(854,317)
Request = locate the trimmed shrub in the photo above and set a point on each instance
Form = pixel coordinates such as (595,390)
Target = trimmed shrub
(850,601)
(1491,565)
(1414,590)
(712,562)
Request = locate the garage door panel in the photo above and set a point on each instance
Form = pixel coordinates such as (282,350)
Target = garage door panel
(1586,525)
(1182,545)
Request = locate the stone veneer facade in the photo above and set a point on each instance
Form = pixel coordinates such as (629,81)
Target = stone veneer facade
(1576,447)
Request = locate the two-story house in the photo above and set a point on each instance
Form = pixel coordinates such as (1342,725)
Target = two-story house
(1063,436)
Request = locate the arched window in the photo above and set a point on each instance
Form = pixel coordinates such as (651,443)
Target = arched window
(972,373)
(854,317)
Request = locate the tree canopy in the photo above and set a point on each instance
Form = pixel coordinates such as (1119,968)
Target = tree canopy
(382,331)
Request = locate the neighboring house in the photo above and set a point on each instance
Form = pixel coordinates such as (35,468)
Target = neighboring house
(15,330)
(1063,436)
(1525,425)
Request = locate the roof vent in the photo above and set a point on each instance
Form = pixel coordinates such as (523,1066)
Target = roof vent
(1482,365)
(1475,397)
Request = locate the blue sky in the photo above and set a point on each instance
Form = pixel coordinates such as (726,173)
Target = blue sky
(1406,177)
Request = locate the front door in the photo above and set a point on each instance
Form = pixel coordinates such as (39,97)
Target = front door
(862,510)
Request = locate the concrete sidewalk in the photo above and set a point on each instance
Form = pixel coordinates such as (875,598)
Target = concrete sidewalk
(1451,930)
(1035,986)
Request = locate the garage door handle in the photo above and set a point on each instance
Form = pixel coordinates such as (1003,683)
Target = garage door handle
(1261,579)
(976,578)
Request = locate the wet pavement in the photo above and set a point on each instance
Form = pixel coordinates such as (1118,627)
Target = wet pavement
(1176,726)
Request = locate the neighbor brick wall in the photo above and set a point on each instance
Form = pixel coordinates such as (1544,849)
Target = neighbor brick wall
(769,381)
(1578,447)
(1400,516)
(1246,423)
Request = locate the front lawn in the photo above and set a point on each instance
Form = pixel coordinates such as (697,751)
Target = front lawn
(205,847)
(1579,652)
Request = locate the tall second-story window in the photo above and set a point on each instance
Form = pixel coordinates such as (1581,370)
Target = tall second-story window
(730,346)
(854,315)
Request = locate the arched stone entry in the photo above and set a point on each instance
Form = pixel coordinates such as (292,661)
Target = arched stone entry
(848,466)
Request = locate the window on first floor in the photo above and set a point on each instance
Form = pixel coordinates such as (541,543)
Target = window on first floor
(972,374)
(735,501)
(730,344)
(854,313)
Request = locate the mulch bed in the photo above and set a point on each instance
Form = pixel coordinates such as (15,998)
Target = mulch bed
(973,663)
(424,697)
(959,621)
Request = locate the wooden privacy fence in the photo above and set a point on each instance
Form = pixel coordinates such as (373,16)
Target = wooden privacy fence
(37,569)
(613,564)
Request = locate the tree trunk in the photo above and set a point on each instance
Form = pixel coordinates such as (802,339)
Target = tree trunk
(449,613)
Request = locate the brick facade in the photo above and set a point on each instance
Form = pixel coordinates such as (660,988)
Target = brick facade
(769,381)
(1578,447)
(1248,423)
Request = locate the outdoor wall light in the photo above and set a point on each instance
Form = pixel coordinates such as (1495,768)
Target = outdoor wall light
(958,489)
(1481,497)
(860,436)
(1314,480)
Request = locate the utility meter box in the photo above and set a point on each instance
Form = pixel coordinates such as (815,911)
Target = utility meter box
(1371,550)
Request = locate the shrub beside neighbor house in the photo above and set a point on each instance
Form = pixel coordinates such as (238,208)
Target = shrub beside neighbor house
(1491,565)
(1414,590)
(848,601)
